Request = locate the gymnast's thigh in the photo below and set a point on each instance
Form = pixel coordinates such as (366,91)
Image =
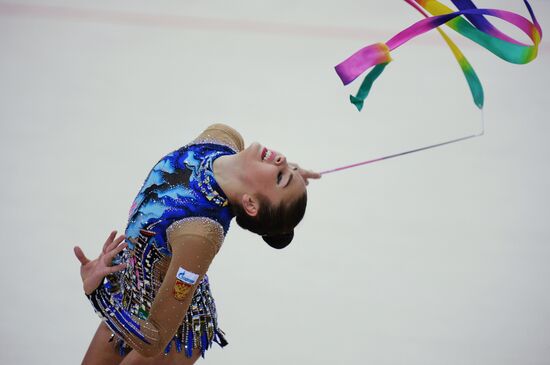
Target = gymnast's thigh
(101,351)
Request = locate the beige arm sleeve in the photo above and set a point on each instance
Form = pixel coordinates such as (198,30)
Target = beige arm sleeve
(222,133)
(194,243)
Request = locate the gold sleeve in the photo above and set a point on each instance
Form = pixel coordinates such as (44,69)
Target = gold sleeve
(222,133)
(194,243)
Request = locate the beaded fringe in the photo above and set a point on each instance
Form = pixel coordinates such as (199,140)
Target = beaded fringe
(198,330)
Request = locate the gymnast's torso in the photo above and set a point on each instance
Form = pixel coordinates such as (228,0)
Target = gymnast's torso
(181,193)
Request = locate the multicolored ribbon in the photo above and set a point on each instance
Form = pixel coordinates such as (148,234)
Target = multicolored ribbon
(473,26)
(469,21)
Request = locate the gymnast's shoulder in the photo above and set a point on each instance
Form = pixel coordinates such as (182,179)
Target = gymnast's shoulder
(222,133)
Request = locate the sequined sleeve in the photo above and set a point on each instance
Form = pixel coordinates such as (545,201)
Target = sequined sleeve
(194,242)
(221,133)
(201,227)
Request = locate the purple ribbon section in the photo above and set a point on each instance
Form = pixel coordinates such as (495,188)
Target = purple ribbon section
(362,60)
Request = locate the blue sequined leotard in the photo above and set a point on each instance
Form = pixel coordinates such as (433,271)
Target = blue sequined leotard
(181,185)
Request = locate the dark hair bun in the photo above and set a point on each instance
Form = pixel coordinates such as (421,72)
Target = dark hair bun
(279,241)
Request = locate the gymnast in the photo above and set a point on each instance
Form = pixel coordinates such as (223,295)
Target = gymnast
(150,285)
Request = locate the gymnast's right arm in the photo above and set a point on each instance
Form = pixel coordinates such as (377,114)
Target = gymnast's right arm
(193,247)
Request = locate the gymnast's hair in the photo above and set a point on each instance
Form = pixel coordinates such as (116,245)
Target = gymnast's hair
(274,223)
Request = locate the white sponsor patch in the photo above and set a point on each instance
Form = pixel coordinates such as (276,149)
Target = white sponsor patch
(187,277)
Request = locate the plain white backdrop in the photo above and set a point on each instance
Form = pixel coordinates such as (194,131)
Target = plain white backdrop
(439,257)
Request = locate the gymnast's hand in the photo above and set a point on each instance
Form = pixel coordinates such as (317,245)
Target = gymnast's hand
(93,272)
(305,174)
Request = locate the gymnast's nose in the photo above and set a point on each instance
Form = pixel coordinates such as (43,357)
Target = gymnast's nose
(280,159)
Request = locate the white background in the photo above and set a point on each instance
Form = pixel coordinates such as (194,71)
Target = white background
(439,257)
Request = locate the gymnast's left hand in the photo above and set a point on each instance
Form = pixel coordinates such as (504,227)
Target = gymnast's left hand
(305,174)
(92,272)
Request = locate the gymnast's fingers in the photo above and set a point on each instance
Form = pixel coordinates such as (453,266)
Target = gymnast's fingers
(112,269)
(111,254)
(108,241)
(312,174)
(80,255)
(115,243)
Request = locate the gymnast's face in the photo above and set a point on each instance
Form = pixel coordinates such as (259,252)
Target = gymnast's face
(268,173)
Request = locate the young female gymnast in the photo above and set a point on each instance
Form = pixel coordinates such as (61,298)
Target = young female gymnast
(152,290)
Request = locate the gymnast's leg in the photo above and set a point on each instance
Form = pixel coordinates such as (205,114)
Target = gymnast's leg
(101,351)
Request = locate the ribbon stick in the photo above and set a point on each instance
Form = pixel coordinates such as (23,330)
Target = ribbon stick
(482,132)
(468,21)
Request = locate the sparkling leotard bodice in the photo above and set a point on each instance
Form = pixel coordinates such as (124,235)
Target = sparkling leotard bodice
(181,185)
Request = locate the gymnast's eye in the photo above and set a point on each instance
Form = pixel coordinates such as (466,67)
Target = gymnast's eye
(279,177)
